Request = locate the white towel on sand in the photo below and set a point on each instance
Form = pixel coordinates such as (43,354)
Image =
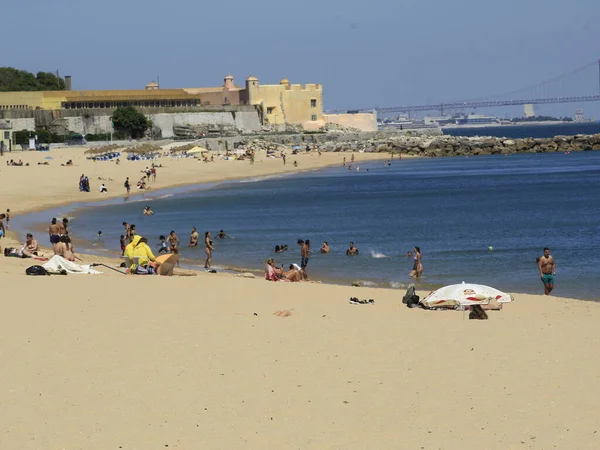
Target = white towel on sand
(58,263)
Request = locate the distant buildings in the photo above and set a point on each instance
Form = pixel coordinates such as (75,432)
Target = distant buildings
(278,103)
(5,135)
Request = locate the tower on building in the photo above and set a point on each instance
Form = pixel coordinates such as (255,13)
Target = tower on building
(252,90)
(228,82)
(528,110)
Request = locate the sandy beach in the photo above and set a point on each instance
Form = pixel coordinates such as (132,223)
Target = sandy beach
(130,362)
(38,187)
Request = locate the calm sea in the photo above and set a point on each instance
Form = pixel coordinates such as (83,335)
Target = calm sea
(454,209)
(526,131)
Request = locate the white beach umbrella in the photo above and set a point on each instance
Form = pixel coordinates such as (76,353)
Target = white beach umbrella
(466,294)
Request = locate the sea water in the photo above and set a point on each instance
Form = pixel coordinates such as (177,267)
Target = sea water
(454,209)
(525,130)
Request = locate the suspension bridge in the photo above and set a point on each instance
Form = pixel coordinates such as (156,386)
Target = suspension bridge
(576,86)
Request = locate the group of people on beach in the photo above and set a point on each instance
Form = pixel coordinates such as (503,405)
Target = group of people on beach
(170,243)
(60,240)
(29,248)
(297,272)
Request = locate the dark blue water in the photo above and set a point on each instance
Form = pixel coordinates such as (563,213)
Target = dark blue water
(527,131)
(453,208)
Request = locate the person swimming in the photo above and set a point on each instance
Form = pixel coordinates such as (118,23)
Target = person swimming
(352,250)
(223,235)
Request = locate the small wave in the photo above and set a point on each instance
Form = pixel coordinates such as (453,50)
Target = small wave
(364,283)
(398,285)
(264,178)
(378,255)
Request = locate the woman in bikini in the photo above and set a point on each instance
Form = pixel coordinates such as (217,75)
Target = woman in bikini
(208,249)
(417,269)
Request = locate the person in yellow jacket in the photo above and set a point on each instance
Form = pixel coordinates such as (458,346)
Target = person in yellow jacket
(139,248)
(131,246)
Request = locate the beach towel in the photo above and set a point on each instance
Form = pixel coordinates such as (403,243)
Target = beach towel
(57,263)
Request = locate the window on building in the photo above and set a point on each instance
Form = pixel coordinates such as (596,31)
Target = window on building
(313,102)
(270,109)
(313,117)
(6,135)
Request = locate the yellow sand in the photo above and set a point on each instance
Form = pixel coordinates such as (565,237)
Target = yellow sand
(113,361)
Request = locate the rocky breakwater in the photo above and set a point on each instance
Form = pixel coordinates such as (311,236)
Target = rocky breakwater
(462,146)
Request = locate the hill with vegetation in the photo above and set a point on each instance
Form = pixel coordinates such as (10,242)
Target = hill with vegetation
(20,80)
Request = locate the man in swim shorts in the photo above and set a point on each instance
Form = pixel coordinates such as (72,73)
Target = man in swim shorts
(54,232)
(547,268)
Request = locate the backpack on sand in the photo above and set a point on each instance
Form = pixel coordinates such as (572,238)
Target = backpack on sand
(36,270)
(411,298)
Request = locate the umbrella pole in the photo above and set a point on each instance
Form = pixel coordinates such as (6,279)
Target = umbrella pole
(108,267)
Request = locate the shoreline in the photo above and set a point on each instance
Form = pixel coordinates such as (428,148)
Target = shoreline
(373,156)
(107,253)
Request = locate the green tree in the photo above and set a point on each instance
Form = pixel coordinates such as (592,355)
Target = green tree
(20,80)
(49,82)
(130,120)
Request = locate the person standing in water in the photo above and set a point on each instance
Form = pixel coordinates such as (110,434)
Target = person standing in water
(173,242)
(63,229)
(417,269)
(194,237)
(208,249)
(547,268)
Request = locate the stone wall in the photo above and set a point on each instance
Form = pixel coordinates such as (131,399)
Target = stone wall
(361,121)
(23,124)
(245,122)
(245,118)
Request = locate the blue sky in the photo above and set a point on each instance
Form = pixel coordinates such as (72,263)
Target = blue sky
(365,53)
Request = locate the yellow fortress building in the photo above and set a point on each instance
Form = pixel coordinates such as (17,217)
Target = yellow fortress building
(282,103)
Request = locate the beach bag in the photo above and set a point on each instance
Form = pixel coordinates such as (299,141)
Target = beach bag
(36,270)
(410,298)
